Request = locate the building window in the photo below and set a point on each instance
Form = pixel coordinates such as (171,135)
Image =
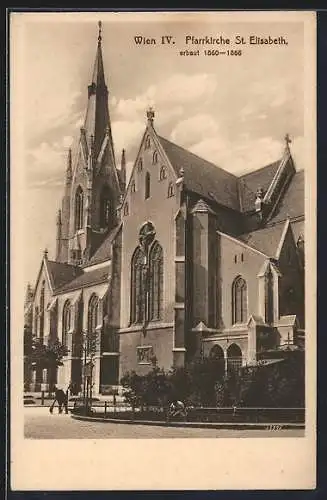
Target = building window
(133,187)
(78,208)
(171,190)
(42,311)
(140,165)
(92,319)
(36,320)
(147,284)
(239,300)
(105,207)
(155,158)
(147,142)
(147,185)
(162,174)
(156,282)
(234,358)
(66,322)
(137,288)
(242,257)
(235,259)
(126,210)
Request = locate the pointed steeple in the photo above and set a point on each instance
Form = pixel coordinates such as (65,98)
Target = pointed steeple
(123,169)
(69,170)
(97,119)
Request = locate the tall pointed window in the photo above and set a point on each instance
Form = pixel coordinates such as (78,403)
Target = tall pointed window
(163,174)
(147,284)
(137,288)
(92,319)
(42,312)
(79,208)
(170,190)
(156,282)
(105,207)
(147,185)
(66,322)
(239,300)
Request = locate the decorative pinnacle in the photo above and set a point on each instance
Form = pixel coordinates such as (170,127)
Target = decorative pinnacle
(287,140)
(100,32)
(150,115)
(45,253)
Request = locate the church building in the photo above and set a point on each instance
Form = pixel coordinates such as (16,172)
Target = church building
(183,260)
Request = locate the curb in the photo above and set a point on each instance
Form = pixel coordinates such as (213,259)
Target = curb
(202,425)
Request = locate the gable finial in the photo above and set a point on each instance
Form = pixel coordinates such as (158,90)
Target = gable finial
(45,253)
(150,115)
(100,32)
(287,140)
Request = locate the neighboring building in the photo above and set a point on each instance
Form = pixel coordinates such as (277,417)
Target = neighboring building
(185,260)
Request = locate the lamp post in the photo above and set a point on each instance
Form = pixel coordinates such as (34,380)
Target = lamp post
(89,344)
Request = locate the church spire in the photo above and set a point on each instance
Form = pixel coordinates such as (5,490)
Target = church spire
(97,119)
(69,170)
(123,170)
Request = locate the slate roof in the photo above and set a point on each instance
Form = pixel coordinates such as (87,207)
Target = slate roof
(249,183)
(292,202)
(88,278)
(104,251)
(203,177)
(214,183)
(61,273)
(265,240)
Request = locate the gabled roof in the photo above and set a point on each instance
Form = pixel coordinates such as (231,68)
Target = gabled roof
(266,240)
(103,253)
(249,184)
(292,203)
(203,177)
(88,278)
(61,273)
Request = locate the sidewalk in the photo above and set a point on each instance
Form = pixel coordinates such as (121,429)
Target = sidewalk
(202,425)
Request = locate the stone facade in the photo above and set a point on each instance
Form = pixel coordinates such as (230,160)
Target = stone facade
(186,260)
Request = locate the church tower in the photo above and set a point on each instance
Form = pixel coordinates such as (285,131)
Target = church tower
(92,187)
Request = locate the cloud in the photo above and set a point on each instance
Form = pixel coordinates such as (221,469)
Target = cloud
(194,128)
(176,90)
(241,156)
(126,134)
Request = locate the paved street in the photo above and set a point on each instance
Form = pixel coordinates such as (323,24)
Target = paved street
(39,424)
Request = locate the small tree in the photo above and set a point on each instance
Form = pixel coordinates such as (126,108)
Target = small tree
(47,356)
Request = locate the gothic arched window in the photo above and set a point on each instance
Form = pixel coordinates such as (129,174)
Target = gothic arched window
(126,209)
(42,310)
(170,190)
(137,289)
(79,208)
(155,158)
(163,173)
(147,185)
(92,318)
(147,142)
(133,187)
(140,165)
(105,207)
(156,282)
(66,322)
(239,300)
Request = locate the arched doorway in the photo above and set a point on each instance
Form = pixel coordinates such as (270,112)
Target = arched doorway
(234,358)
(217,356)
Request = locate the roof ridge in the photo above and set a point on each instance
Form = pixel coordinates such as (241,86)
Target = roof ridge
(259,169)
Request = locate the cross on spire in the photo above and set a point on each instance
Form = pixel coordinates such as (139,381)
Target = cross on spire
(150,114)
(100,32)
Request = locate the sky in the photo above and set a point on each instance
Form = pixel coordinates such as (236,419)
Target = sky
(233,111)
